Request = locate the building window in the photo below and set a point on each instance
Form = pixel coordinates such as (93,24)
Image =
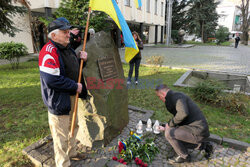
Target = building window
(127,2)
(161,8)
(148,5)
(155,7)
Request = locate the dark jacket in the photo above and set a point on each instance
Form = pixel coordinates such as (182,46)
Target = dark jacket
(71,66)
(237,39)
(186,113)
(140,47)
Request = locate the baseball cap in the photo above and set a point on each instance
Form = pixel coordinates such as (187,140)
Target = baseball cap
(63,19)
(58,24)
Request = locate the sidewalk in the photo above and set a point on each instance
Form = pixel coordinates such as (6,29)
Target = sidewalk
(215,58)
(41,153)
(22,59)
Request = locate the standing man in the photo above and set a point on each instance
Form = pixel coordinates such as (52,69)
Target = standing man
(59,68)
(188,128)
(237,40)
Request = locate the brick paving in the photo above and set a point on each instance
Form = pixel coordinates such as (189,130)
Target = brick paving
(41,153)
(215,58)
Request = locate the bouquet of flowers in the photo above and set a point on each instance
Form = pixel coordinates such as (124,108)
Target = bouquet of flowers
(134,148)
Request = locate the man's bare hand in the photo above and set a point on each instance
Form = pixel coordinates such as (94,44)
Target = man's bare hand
(84,55)
(166,126)
(79,87)
(161,128)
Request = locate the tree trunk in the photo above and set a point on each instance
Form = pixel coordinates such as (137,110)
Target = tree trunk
(245,22)
(202,31)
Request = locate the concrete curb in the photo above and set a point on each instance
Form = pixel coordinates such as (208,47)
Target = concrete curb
(184,46)
(214,138)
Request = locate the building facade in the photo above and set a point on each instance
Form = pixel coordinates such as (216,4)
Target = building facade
(148,21)
(230,15)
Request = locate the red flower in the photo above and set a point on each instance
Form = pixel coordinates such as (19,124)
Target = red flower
(125,163)
(114,158)
(139,162)
(145,165)
(142,163)
(121,160)
(120,147)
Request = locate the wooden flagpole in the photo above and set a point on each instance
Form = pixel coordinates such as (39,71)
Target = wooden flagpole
(80,76)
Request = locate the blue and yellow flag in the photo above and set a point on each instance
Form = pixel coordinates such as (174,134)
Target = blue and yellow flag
(138,3)
(111,8)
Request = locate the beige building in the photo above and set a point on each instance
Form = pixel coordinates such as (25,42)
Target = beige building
(230,15)
(148,21)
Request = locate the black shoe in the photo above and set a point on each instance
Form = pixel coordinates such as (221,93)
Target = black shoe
(79,156)
(209,150)
(179,159)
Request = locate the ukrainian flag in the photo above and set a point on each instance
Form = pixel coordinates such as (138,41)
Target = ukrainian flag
(111,8)
(138,3)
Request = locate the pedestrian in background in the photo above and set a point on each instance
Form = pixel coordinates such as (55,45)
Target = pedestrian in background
(136,60)
(237,40)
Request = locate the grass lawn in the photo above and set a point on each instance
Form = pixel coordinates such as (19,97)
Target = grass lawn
(227,43)
(23,116)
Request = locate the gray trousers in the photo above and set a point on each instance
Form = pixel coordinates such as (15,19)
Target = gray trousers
(181,139)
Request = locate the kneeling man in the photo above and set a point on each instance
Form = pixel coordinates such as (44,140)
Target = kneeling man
(188,128)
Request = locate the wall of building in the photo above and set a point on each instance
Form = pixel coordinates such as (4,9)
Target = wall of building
(131,14)
(228,11)
(24,36)
(38,4)
(134,15)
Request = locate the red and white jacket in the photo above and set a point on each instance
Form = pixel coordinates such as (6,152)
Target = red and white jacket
(55,87)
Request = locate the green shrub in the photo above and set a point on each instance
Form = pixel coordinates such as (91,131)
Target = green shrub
(234,103)
(155,60)
(221,34)
(12,52)
(208,91)
(174,35)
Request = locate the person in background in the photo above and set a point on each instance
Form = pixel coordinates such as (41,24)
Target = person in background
(188,128)
(75,34)
(237,40)
(59,68)
(75,37)
(136,60)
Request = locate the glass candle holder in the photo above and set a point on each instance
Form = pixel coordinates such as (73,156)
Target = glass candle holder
(139,127)
(156,127)
(149,125)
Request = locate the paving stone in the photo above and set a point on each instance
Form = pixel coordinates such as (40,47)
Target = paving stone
(220,157)
(114,164)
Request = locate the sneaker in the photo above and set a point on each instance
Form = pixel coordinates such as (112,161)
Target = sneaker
(208,150)
(179,159)
(79,156)
(136,82)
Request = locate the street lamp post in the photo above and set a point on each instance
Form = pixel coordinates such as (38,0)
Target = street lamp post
(169,21)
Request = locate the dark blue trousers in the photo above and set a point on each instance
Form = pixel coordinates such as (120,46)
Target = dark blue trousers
(134,62)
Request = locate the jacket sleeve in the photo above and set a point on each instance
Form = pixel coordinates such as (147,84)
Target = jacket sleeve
(49,68)
(140,44)
(182,113)
(59,83)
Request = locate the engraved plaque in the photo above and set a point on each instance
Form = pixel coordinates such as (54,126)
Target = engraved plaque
(107,68)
